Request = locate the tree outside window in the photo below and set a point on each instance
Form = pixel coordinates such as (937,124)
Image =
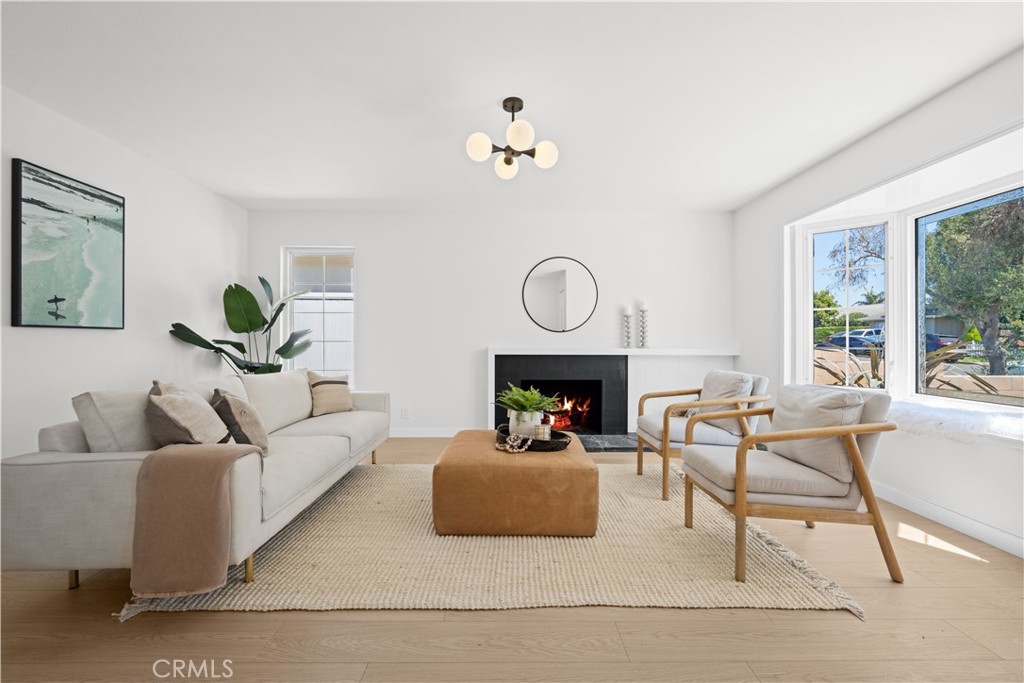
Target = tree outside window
(970,289)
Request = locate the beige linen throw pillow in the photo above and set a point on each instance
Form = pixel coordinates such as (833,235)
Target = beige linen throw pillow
(178,415)
(330,394)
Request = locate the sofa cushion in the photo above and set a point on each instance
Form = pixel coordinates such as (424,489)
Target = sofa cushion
(360,426)
(725,384)
(179,415)
(806,406)
(298,464)
(231,383)
(114,421)
(767,472)
(330,394)
(281,398)
(243,422)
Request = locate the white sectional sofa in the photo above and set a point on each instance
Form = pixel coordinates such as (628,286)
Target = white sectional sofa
(72,504)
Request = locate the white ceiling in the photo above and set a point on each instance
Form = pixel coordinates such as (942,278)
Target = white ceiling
(367,106)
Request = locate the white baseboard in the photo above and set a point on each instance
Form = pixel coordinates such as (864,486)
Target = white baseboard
(430,432)
(954,520)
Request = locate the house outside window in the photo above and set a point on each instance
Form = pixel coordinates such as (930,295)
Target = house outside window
(970,300)
(327,275)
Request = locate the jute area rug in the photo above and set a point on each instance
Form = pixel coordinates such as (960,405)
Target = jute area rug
(369,543)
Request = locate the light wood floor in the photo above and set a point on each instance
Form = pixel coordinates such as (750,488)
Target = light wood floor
(958,617)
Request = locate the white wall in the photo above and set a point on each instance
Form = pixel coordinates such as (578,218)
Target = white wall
(183,244)
(977,109)
(434,290)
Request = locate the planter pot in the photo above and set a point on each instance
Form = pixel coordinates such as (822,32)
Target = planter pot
(523,423)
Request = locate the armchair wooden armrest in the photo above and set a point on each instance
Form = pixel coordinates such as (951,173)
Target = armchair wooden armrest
(744,413)
(814,433)
(662,394)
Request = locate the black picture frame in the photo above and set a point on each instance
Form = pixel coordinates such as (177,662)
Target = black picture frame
(67,255)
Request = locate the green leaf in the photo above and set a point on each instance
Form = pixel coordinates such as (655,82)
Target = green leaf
(298,349)
(280,309)
(291,347)
(241,310)
(268,290)
(186,334)
(267,369)
(237,345)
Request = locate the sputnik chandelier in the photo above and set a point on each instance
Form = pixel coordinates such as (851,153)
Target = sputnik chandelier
(519,136)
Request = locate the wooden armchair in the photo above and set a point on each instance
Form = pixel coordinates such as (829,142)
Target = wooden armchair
(721,390)
(823,478)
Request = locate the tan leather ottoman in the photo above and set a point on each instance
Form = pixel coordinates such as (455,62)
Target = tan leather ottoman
(479,490)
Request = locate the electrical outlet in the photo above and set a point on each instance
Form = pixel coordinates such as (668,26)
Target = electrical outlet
(405,413)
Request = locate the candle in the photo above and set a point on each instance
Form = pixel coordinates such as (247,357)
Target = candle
(629,310)
(643,305)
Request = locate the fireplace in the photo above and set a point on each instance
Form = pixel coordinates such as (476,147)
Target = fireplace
(599,382)
(579,400)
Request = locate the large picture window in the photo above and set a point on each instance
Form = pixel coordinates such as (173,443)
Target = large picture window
(848,306)
(970,300)
(327,308)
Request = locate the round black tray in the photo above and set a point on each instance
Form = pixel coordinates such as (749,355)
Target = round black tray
(559,440)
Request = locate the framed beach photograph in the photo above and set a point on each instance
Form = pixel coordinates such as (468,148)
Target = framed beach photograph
(67,259)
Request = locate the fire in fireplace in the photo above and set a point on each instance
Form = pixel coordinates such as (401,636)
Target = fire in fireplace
(579,401)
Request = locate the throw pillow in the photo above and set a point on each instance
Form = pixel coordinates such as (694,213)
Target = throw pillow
(241,418)
(807,407)
(330,394)
(177,415)
(725,384)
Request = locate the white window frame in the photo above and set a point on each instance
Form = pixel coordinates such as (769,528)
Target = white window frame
(907,351)
(801,351)
(900,293)
(287,252)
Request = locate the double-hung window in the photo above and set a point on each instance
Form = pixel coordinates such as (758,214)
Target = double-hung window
(327,307)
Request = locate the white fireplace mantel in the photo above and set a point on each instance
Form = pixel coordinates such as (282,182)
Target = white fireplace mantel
(647,369)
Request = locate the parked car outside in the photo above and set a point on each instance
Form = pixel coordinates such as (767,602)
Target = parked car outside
(859,341)
(934,342)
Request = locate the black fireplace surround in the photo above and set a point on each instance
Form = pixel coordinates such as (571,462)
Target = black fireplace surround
(610,371)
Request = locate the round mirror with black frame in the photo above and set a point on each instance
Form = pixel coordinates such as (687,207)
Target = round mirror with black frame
(560,294)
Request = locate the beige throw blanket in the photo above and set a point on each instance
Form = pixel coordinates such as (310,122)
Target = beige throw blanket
(183,519)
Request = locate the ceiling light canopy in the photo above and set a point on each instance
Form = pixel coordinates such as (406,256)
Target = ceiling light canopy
(519,137)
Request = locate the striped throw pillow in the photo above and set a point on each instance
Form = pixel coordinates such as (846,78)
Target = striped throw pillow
(330,394)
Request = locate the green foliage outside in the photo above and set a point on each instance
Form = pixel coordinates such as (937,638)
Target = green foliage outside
(830,318)
(974,270)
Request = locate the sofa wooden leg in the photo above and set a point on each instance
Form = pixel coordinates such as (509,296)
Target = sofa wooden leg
(72,579)
(249,572)
(373,458)
(809,523)
(639,456)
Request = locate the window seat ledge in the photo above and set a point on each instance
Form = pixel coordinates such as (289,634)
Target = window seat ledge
(963,424)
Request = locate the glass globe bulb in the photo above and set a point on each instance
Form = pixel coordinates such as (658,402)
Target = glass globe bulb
(478,147)
(519,135)
(546,154)
(506,171)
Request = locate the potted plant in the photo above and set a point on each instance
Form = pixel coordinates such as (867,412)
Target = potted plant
(525,408)
(244,315)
